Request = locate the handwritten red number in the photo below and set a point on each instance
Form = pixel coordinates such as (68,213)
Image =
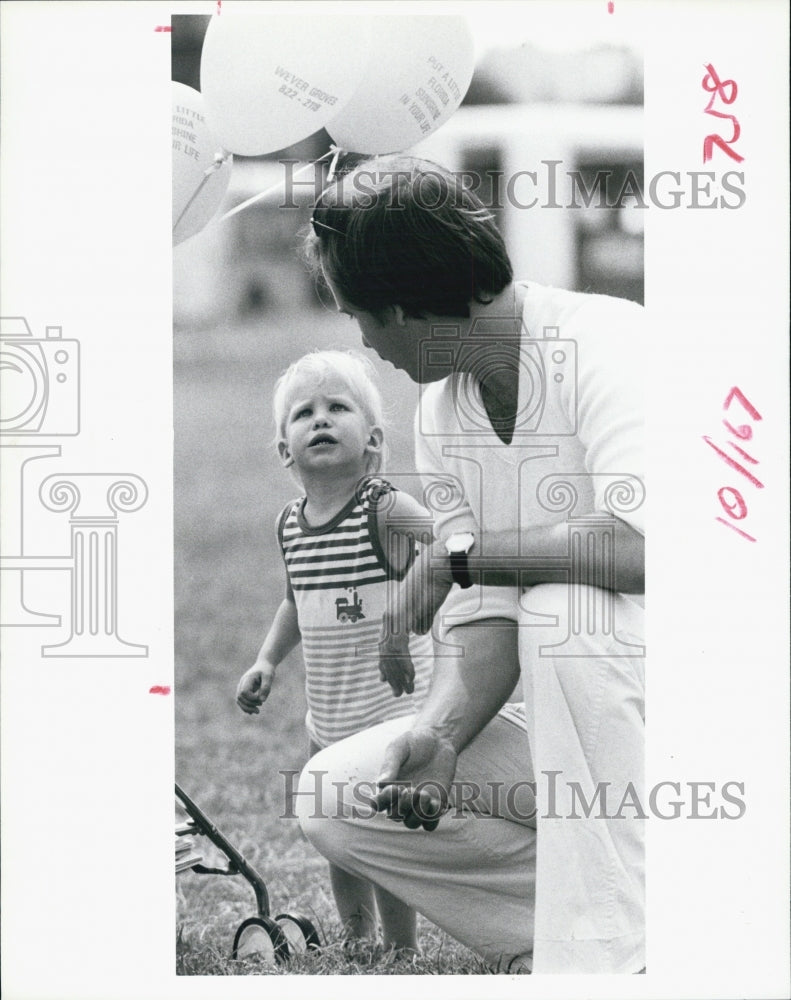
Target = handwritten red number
(742,452)
(734,465)
(731,500)
(750,538)
(716,87)
(737,509)
(744,432)
(736,393)
(714,140)
(719,88)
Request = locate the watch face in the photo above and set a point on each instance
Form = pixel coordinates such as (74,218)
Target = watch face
(460,543)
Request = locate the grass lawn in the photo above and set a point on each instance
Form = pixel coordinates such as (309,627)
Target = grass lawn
(229,487)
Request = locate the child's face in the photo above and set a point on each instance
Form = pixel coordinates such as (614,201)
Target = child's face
(326,427)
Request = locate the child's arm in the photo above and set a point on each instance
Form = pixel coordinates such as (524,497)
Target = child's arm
(401,521)
(254,686)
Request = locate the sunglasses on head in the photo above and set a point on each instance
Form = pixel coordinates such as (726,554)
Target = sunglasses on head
(323,225)
(326,211)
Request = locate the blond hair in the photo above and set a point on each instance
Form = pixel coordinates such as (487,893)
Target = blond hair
(354,369)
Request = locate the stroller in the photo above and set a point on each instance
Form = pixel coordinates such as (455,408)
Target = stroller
(275,939)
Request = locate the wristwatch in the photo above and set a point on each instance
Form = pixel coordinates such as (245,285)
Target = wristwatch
(458,547)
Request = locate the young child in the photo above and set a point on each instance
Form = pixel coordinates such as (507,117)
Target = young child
(342,547)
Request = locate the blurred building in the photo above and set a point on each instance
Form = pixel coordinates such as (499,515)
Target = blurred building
(561,178)
(527,74)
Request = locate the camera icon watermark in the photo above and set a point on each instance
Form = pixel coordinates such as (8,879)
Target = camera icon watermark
(39,381)
(545,370)
(40,400)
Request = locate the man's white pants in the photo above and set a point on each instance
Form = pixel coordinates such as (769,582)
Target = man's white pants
(560,877)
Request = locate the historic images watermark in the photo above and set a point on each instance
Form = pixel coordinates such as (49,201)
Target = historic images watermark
(40,392)
(522,801)
(551,185)
(590,504)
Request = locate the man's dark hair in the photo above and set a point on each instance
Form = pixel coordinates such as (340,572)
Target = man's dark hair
(403,231)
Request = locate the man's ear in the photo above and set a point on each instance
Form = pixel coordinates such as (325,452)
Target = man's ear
(285,455)
(400,315)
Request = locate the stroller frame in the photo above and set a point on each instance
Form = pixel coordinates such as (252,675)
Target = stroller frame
(279,938)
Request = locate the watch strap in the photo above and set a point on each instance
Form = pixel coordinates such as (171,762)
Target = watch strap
(460,570)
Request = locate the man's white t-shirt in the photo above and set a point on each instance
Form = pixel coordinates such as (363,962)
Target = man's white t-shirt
(577,447)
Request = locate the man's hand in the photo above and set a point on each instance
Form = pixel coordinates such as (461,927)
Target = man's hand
(395,662)
(254,687)
(415,778)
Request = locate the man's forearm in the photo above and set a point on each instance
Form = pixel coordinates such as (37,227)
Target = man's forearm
(616,560)
(466,693)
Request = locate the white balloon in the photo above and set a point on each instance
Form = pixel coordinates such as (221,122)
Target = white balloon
(418,73)
(269,80)
(196,196)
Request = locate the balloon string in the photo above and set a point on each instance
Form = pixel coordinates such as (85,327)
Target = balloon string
(336,152)
(280,184)
(219,159)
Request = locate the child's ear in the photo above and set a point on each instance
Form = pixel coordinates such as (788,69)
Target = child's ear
(375,441)
(285,455)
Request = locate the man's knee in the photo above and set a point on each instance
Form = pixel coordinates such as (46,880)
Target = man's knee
(546,599)
(543,621)
(317,806)
(571,620)
(558,636)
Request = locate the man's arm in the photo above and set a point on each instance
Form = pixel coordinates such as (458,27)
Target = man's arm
(463,697)
(524,559)
(466,692)
(545,558)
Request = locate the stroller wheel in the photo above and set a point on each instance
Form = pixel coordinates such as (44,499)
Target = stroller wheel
(263,938)
(299,931)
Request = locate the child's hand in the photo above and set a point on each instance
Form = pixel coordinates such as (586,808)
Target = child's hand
(395,664)
(253,689)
